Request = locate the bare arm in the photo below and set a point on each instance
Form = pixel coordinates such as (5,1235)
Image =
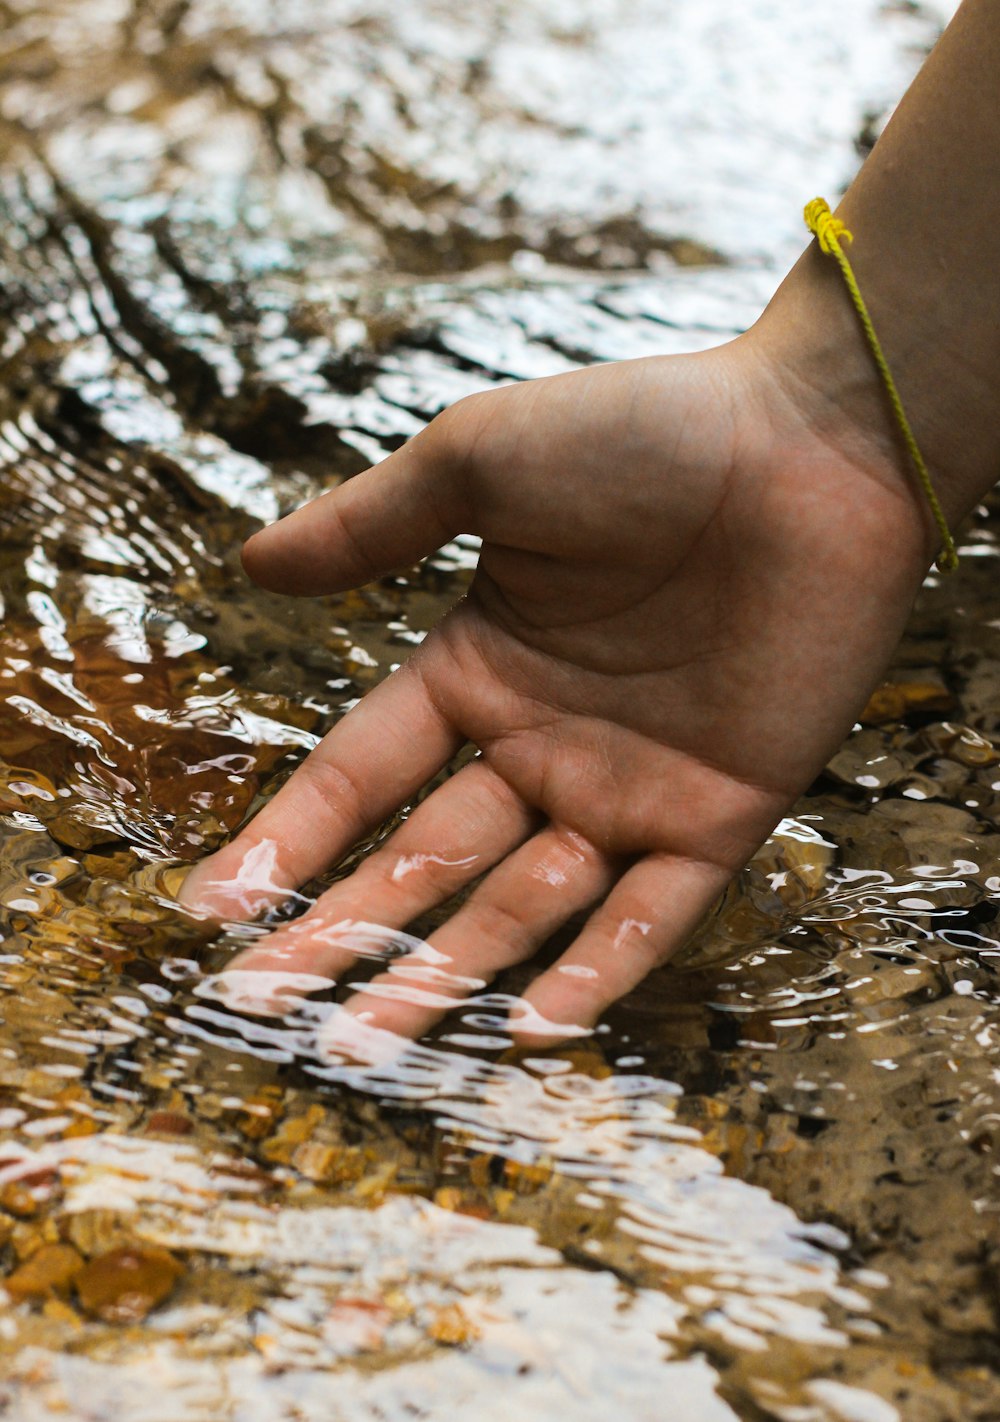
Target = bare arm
(925,213)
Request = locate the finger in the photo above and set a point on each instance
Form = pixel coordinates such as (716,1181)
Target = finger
(372,761)
(518,906)
(385,518)
(459,832)
(650,914)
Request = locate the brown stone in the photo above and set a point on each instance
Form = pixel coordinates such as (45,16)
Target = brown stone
(894,700)
(17,1199)
(169,1123)
(525,1178)
(450,1325)
(50,1270)
(293,1132)
(316,1160)
(124,1284)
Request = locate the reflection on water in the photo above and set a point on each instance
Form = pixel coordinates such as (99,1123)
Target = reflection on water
(245,250)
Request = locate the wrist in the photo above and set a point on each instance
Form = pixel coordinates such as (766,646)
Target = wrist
(811,341)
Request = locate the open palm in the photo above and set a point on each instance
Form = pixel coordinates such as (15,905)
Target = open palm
(682,602)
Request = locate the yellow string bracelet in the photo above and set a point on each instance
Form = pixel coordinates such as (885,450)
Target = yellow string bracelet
(830,232)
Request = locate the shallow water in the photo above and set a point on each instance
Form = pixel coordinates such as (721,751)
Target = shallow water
(245,250)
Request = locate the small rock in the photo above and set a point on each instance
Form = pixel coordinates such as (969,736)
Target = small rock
(124,1284)
(895,700)
(280,1147)
(169,1123)
(50,1270)
(17,1199)
(315,1160)
(527,1178)
(450,1325)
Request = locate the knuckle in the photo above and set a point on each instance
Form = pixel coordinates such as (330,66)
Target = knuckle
(455,433)
(503,803)
(497,924)
(350,541)
(573,849)
(331,785)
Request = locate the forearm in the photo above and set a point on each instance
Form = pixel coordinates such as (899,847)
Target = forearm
(925,214)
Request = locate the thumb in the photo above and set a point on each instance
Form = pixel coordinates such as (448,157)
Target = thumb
(387,517)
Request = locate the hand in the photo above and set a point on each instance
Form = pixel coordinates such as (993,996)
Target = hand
(686,593)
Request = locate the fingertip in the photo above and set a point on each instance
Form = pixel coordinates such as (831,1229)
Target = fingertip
(253,556)
(537,1028)
(351,1036)
(262,992)
(237,883)
(194,891)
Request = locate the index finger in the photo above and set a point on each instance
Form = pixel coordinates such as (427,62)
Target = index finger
(372,761)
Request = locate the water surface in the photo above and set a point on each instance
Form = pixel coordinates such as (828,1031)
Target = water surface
(245,250)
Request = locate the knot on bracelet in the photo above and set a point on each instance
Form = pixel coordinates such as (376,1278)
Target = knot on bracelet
(827,228)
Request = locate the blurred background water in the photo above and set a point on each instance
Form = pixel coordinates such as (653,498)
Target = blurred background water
(247,249)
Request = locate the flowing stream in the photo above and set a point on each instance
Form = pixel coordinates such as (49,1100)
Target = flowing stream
(246,249)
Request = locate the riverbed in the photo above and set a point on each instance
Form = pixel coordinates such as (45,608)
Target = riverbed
(247,250)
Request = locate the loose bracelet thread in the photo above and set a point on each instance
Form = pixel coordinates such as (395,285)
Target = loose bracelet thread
(829,232)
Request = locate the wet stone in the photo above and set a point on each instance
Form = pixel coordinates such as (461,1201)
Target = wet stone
(122,1285)
(906,699)
(49,1271)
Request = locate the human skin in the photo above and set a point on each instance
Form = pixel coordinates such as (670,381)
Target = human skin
(694,571)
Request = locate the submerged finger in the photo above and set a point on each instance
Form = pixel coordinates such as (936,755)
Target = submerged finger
(649,915)
(379,755)
(465,827)
(536,889)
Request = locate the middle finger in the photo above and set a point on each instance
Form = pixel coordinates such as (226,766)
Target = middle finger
(536,889)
